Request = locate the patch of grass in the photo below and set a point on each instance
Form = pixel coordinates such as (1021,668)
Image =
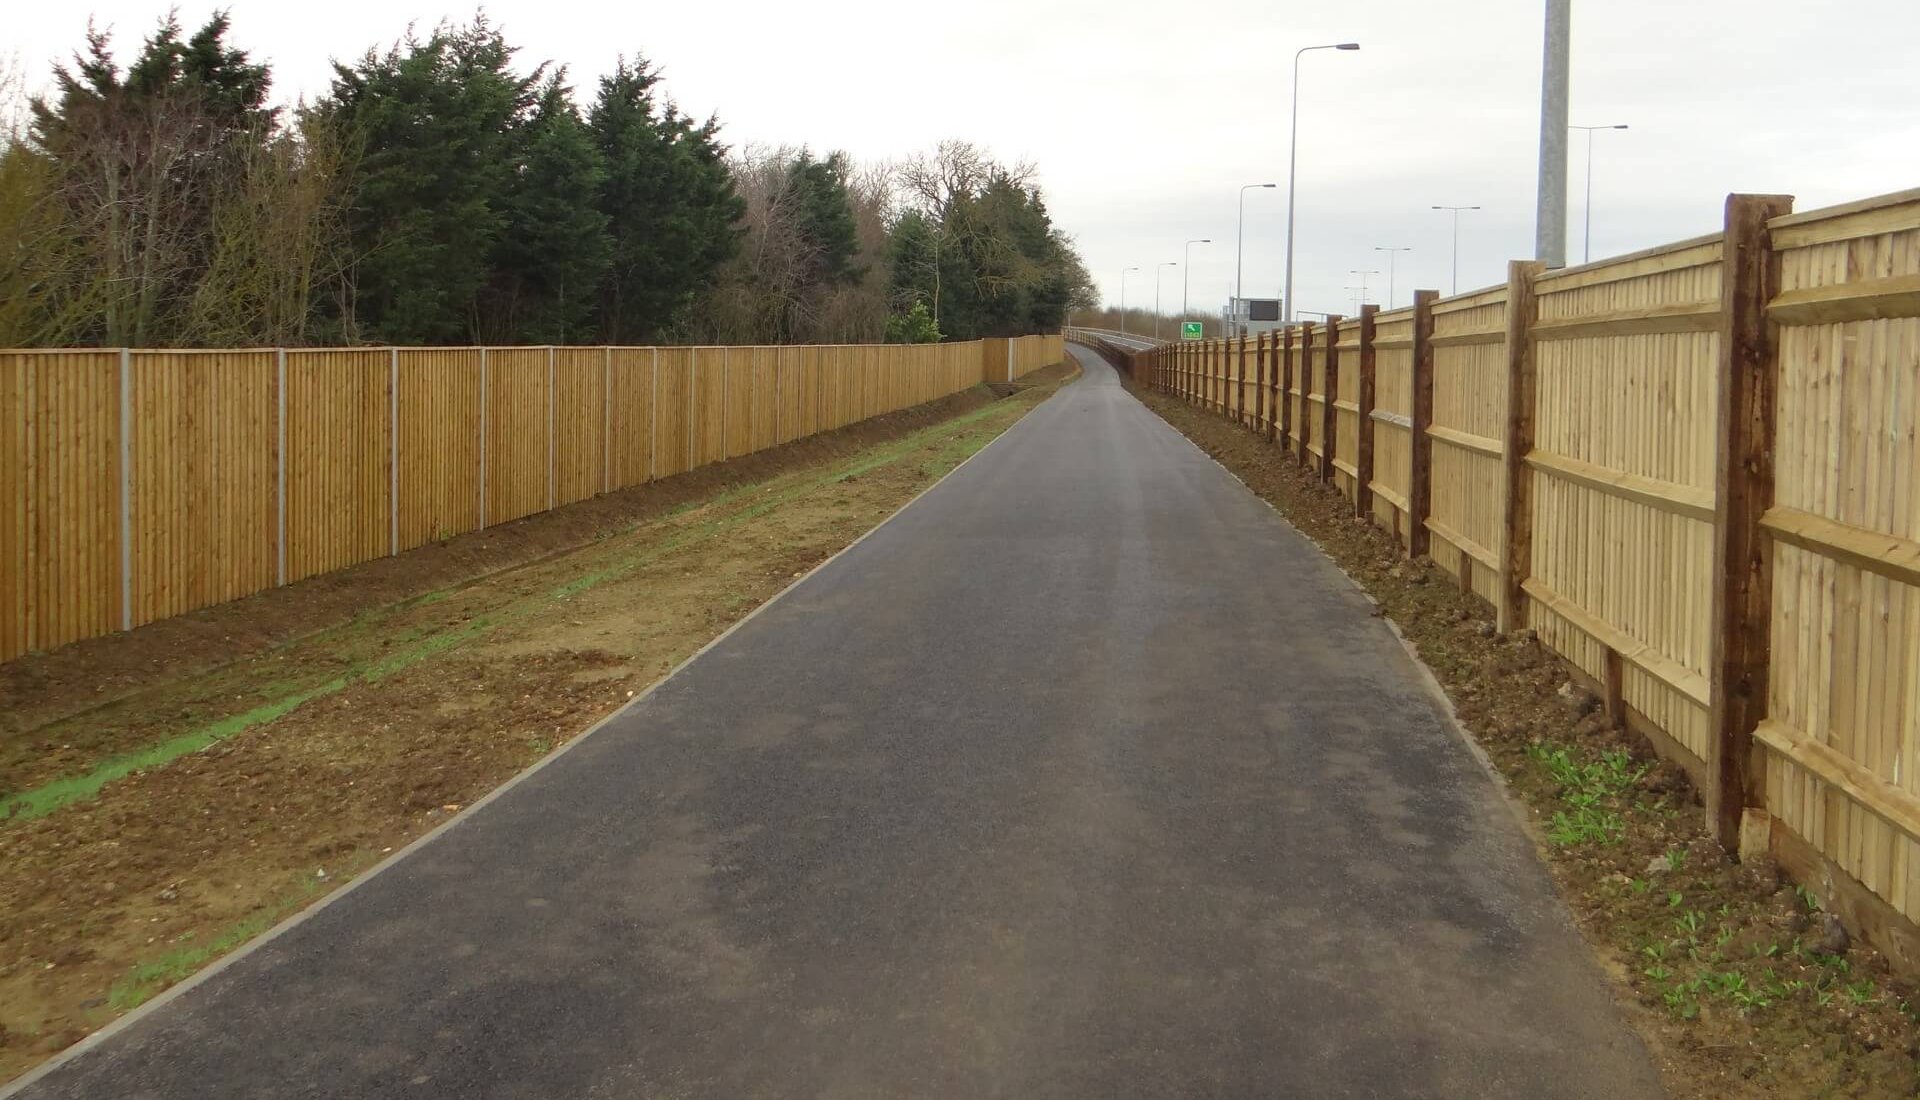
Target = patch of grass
(147,979)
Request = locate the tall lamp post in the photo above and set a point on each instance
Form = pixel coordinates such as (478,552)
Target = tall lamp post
(1123,298)
(1186,269)
(1588,257)
(1241,241)
(1358,302)
(1391,253)
(1156,295)
(1293,156)
(1456,243)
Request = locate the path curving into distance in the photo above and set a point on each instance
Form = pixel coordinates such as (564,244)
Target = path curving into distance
(1084,776)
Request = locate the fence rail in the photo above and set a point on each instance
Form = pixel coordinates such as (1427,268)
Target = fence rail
(1694,472)
(136,485)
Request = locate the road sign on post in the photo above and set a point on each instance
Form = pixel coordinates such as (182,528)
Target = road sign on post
(1190,330)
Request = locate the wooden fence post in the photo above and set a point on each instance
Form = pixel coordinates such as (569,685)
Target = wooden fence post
(1420,445)
(1260,383)
(1743,474)
(1240,383)
(1306,392)
(1363,419)
(1516,558)
(1273,382)
(1285,395)
(1330,391)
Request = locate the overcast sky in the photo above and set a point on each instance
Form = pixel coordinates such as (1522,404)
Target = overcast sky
(1144,118)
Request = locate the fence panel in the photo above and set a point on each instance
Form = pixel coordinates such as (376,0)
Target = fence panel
(338,462)
(1843,722)
(1623,477)
(1469,415)
(1346,408)
(582,381)
(633,396)
(1393,419)
(60,460)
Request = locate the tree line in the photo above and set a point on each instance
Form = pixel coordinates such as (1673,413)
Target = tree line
(441,193)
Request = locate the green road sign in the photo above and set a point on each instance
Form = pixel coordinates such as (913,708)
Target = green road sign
(1190,330)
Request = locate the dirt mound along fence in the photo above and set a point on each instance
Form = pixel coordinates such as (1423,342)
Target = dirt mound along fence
(135,485)
(1693,471)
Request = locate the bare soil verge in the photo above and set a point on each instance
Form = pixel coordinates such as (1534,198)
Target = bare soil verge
(1741,986)
(176,790)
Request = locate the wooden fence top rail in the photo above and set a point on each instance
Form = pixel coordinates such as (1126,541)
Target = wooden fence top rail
(1647,320)
(1682,500)
(1859,300)
(1463,339)
(1677,256)
(1868,217)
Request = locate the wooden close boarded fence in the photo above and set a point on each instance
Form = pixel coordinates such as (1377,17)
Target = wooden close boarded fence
(1693,471)
(135,485)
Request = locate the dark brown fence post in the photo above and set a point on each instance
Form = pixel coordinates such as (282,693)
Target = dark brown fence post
(1286,388)
(1330,390)
(1743,474)
(1516,558)
(1306,391)
(1273,380)
(1260,383)
(1420,476)
(1240,383)
(1363,458)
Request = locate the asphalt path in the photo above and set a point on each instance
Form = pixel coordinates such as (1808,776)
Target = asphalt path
(1084,776)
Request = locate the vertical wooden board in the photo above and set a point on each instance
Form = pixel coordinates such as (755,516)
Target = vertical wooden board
(675,412)
(60,437)
(19,587)
(763,361)
(710,405)
(631,435)
(581,380)
(337,459)
(516,428)
(242,488)
(736,367)
(439,447)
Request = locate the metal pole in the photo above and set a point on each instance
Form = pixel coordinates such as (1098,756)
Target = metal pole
(1392,252)
(1550,213)
(1156,296)
(1186,269)
(1587,247)
(1456,253)
(1293,158)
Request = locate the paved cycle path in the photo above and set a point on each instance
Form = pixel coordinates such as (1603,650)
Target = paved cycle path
(1085,776)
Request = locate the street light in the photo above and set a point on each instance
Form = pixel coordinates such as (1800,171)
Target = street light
(1123,298)
(1456,242)
(1293,150)
(1156,295)
(1186,269)
(1390,251)
(1590,129)
(1362,287)
(1240,242)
